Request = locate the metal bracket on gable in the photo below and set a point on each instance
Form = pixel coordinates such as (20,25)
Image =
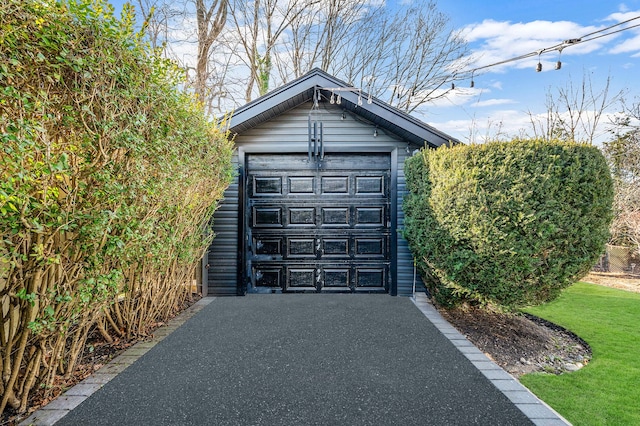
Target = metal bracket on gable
(315,147)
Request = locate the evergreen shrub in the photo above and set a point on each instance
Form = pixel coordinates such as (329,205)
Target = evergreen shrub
(507,223)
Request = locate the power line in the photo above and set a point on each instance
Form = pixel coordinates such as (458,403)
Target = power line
(613,32)
(612,26)
(558,47)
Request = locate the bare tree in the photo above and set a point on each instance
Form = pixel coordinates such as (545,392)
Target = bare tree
(403,55)
(211,19)
(413,66)
(625,228)
(259,27)
(623,153)
(575,112)
(188,32)
(158,16)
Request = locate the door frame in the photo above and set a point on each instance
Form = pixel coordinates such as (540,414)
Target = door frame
(244,272)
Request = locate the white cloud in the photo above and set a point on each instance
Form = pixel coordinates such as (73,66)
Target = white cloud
(628,46)
(631,44)
(510,123)
(493,102)
(497,41)
(458,97)
(623,15)
(479,116)
(481,127)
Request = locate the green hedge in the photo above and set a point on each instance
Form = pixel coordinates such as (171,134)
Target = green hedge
(109,175)
(507,223)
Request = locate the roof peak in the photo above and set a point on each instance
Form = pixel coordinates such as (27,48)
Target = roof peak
(303,89)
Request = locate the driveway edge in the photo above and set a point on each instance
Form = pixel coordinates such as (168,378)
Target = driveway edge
(534,408)
(61,406)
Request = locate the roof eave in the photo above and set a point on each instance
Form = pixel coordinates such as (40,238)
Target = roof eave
(302,89)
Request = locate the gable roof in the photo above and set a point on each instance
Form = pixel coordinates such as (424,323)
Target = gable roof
(302,90)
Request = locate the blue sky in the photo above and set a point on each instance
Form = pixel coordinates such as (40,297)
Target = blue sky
(501,29)
(505,97)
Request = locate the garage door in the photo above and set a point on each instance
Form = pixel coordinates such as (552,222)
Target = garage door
(318,226)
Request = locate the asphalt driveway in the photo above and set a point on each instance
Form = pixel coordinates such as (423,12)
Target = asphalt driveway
(301,359)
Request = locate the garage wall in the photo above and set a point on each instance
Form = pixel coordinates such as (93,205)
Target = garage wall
(405,259)
(222,263)
(343,132)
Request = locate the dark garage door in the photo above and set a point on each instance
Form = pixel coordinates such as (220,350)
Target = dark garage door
(318,226)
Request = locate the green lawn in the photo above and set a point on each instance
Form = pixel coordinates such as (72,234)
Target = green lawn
(607,390)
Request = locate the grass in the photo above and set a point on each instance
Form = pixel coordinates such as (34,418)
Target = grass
(607,390)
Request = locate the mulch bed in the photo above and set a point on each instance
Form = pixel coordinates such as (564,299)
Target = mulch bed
(521,344)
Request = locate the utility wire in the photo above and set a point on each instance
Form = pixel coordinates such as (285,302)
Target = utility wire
(613,32)
(612,26)
(560,46)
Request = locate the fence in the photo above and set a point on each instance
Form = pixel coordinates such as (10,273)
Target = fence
(619,260)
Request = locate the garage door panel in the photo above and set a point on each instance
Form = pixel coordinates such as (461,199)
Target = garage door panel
(297,162)
(279,162)
(301,247)
(370,216)
(301,185)
(301,278)
(267,217)
(268,246)
(371,247)
(335,185)
(359,162)
(370,185)
(336,278)
(302,216)
(336,213)
(267,276)
(267,185)
(335,247)
(335,216)
(370,278)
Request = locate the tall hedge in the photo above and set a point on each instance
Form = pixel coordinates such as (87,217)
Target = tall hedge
(109,175)
(507,223)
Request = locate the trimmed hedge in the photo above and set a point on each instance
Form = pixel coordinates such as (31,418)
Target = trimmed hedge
(507,223)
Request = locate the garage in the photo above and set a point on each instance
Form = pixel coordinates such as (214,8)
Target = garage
(319,226)
(317,202)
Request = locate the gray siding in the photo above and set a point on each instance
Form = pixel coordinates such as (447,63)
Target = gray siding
(405,258)
(288,133)
(222,273)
